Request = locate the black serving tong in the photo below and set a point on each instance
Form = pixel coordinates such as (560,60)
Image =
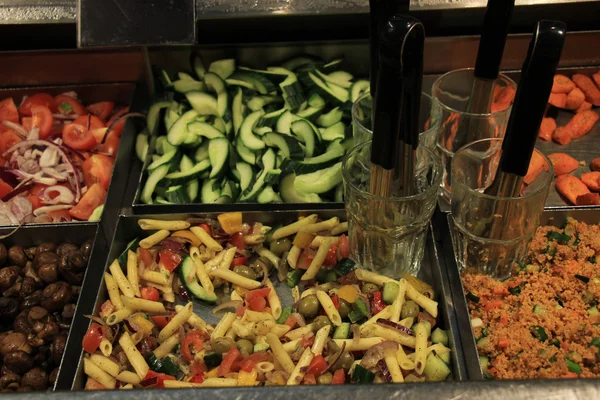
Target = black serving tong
(395,121)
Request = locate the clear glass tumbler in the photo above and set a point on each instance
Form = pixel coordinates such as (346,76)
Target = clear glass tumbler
(458,127)
(429,120)
(480,245)
(388,234)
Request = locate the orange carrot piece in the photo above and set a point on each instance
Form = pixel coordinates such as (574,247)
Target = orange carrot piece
(562,84)
(503,343)
(561,136)
(504,319)
(581,123)
(536,165)
(558,99)
(588,199)
(501,290)
(575,99)
(570,188)
(584,107)
(547,128)
(563,163)
(571,375)
(595,164)
(592,93)
(503,99)
(493,304)
(591,180)
(596,78)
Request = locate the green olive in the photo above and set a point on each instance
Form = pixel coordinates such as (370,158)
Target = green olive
(345,308)
(245,347)
(344,362)
(325,379)
(369,288)
(258,264)
(309,306)
(244,271)
(222,345)
(320,322)
(280,246)
(410,309)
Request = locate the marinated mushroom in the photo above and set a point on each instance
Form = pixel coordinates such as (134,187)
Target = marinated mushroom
(21,324)
(46,266)
(57,348)
(16,256)
(3,254)
(65,248)
(9,309)
(56,296)
(68,312)
(8,277)
(86,248)
(18,361)
(46,247)
(53,376)
(12,342)
(10,381)
(37,378)
(32,300)
(72,267)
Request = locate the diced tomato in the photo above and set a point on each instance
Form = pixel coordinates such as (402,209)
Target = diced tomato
(169,259)
(78,137)
(493,304)
(257,304)
(111,144)
(343,247)
(60,215)
(27,123)
(260,293)
(305,259)
(160,378)
(331,258)
(93,337)
(98,169)
(240,310)
(249,362)
(192,344)
(68,105)
(8,139)
(307,342)
(5,188)
(8,112)
(118,126)
(38,99)
(107,308)
(98,134)
(336,301)
(317,366)
(501,290)
(339,377)
(309,379)
(503,343)
(239,261)
(90,122)
(571,375)
(102,109)
(504,319)
(146,257)
(42,119)
(377,304)
(237,240)
(198,377)
(229,363)
(207,228)
(150,293)
(160,321)
(94,197)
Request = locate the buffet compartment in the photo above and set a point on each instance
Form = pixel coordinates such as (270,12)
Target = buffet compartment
(128,228)
(63,280)
(556,217)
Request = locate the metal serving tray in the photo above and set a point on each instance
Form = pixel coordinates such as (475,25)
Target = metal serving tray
(128,228)
(77,233)
(556,217)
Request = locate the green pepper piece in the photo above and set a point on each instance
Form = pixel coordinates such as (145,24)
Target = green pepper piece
(517,289)
(539,333)
(285,313)
(344,266)
(294,277)
(212,360)
(573,366)
(169,367)
(362,375)
(473,297)
(558,237)
(582,278)
(595,342)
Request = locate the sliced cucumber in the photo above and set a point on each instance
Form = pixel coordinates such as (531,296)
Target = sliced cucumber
(171,116)
(301,61)
(341,78)
(154,114)
(332,65)
(309,165)
(237,111)
(287,145)
(307,135)
(178,132)
(271,118)
(246,175)
(339,193)
(177,194)
(166,158)
(201,152)
(203,103)
(245,153)
(220,125)
(180,177)
(258,102)
(275,77)
(204,129)
(197,66)
(217,85)
(186,85)
(211,190)
(268,195)
(333,93)
(284,123)
(332,117)
(290,87)
(218,152)
(358,88)
(315,100)
(311,113)
(259,82)
(261,130)
(290,195)
(237,82)
(319,181)
(224,68)
(273,176)
(184,76)
(192,187)
(247,136)
(141,146)
(335,131)
(151,183)
(187,275)
(268,162)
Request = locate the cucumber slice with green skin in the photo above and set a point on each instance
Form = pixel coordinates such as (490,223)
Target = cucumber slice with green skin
(204,129)
(170,117)
(192,187)
(184,76)
(218,153)
(341,78)
(166,158)
(246,175)
(219,125)
(315,100)
(226,189)
(210,191)
(358,88)
(320,181)
(96,214)
(268,164)
(301,61)
(284,123)
(203,103)
(133,245)
(273,176)
(153,179)
(311,113)
(333,93)
(217,85)
(185,85)
(177,194)
(180,177)
(258,102)
(224,68)
(274,77)
(271,118)
(335,131)
(237,111)
(262,130)
(290,195)
(287,145)
(197,65)
(247,136)
(390,292)
(163,77)
(342,331)
(202,152)
(154,114)
(245,153)
(267,196)
(237,82)
(260,83)
(290,87)
(332,117)
(347,144)
(309,165)
(187,275)
(332,65)
(160,200)
(141,147)
(339,193)
(307,135)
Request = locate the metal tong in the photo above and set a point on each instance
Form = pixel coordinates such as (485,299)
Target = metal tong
(395,122)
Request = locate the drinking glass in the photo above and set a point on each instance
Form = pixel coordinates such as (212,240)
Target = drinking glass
(387,234)
(480,244)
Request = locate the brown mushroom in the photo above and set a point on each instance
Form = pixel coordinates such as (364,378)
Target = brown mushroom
(18,361)
(37,378)
(3,254)
(57,348)
(21,323)
(12,342)
(8,277)
(9,309)
(72,267)
(68,312)
(48,273)
(53,376)
(32,300)
(86,248)
(48,331)
(45,248)
(56,296)
(24,389)
(65,248)
(9,381)
(16,256)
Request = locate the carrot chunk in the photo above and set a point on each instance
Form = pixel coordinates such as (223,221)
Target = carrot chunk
(561,136)
(582,123)
(558,99)
(562,84)
(575,99)
(503,99)
(571,188)
(591,180)
(592,93)
(563,163)
(595,164)
(584,107)
(547,128)
(588,199)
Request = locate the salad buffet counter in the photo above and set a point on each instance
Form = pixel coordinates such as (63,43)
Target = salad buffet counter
(174,217)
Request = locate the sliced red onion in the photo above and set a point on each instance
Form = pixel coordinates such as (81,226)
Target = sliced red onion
(34,133)
(7,176)
(395,326)
(375,353)
(171,245)
(387,376)
(16,191)
(20,207)
(336,358)
(18,129)
(34,177)
(64,195)
(46,209)
(49,157)
(229,304)
(43,218)
(23,100)
(53,173)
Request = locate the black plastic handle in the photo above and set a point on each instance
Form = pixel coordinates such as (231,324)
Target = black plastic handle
(380,11)
(493,38)
(398,88)
(532,96)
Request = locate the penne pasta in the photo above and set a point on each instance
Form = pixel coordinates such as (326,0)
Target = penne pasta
(308,292)
(155,277)
(438,348)
(119,277)
(165,347)
(372,277)
(317,262)
(280,330)
(156,225)
(208,382)
(362,344)
(405,363)
(425,302)
(261,251)
(214,262)
(223,325)
(113,291)
(97,374)
(133,355)
(398,301)
(305,331)
(236,279)
(292,345)
(329,308)
(341,228)
(279,352)
(235,296)
(394,368)
(132,272)
(319,240)
(201,273)
(178,320)
(253,316)
(295,227)
(118,316)
(321,226)
(227,258)
(253,239)
(295,293)
(383,314)
(320,339)
(129,386)
(105,347)
(420,348)
(293,256)
(375,330)
(300,369)
(135,304)
(273,300)
(153,239)
(105,364)
(129,377)
(208,241)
